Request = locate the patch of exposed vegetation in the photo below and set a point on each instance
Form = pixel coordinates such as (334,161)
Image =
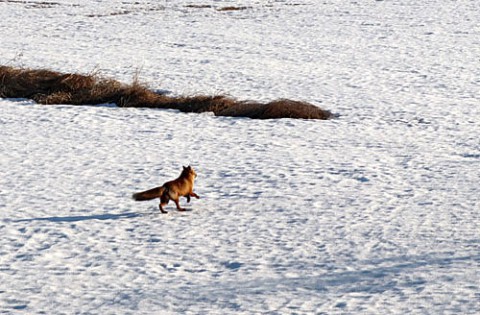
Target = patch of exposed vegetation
(51,87)
(232,8)
(129,10)
(34,4)
(199,6)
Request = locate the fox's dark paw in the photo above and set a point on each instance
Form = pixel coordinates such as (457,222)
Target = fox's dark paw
(161,209)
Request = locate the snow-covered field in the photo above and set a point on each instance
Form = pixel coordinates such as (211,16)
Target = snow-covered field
(375,212)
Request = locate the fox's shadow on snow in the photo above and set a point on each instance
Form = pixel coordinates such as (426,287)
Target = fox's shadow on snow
(102,217)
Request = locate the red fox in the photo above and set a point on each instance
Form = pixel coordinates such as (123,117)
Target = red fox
(174,189)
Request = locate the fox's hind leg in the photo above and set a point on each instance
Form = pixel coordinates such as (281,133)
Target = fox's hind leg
(161,205)
(163,202)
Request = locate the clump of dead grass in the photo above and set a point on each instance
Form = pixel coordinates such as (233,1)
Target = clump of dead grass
(232,8)
(220,9)
(50,87)
(199,6)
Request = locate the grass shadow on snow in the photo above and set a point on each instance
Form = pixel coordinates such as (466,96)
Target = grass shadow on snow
(102,217)
(371,279)
(412,273)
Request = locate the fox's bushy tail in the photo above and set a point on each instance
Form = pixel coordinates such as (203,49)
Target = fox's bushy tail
(149,194)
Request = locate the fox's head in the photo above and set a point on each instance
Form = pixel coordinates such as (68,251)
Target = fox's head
(189,171)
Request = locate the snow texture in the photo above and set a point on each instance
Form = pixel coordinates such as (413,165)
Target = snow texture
(375,212)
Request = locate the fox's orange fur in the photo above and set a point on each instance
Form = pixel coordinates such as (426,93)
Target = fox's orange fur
(172,190)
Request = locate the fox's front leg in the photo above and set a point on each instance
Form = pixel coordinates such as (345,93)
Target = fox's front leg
(193,195)
(178,205)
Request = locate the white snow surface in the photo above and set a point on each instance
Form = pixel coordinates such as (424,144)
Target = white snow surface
(375,212)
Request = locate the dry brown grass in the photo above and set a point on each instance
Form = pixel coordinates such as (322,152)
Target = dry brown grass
(282,108)
(220,9)
(231,8)
(199,6)
(50,87)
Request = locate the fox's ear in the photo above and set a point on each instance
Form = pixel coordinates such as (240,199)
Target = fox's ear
(184,168)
